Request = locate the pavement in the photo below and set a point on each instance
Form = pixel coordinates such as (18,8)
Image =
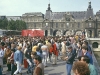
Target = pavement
(59,69)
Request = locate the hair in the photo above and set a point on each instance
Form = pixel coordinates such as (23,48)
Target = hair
(44,42)
(81,67)
(86,59)
(86,42)
(84,47)
(49,41)
(37,57)
(79,58)
(33,53)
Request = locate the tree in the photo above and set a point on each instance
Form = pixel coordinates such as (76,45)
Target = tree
(12,25)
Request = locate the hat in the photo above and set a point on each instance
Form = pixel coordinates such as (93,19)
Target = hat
(69,46)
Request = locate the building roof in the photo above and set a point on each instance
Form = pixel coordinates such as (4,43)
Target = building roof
(60,15)
(79,15)
(98,13)
(13,18)
(33,14)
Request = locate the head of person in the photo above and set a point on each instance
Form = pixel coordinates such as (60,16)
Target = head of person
(37,59)
(85,59)
(69,48)
(44,43)
(12,50)
(84,49)
(80,68)
(19,48)
(33,54)
(79,58)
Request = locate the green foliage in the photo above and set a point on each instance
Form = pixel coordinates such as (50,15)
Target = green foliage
(12,25)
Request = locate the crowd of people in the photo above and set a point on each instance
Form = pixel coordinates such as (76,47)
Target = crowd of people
(37,51)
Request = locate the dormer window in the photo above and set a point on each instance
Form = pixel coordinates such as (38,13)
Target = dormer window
(46,24)
(67,24)
(90,25)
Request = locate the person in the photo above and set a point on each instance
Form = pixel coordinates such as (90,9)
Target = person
(49,46)
(86,53)
(80,68)
(45,52)
(28,57)
(6,56)
(13,66)
(69,59)
(18,59)
(33,54)
(63,48)
(0,70)
(39,69)
(1,59)
(92,68)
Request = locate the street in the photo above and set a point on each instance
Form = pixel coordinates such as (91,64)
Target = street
(59,69)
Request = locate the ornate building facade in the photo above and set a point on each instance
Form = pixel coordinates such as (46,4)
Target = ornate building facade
(65,23)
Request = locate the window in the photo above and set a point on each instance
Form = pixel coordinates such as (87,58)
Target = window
(78,24)
(73,25)
(99,33)
(34,25)
(62,25)
(56,25)
(46,25)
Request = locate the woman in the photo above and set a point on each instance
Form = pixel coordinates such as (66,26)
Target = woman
(6,56)
(44,49)
(81,68)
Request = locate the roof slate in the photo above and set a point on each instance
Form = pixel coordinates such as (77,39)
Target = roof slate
(60,15)
(33,14)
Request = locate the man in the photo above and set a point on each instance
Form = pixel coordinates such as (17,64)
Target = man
(92,68)
(1,59)
(86,53)
(18,59)
(49,46)
(69,59)
(39,69)
(28,57)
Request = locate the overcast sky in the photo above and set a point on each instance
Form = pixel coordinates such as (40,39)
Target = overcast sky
(19,7)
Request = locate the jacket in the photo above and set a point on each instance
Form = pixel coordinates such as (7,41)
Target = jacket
(71,56)
(90,57)
(18,56)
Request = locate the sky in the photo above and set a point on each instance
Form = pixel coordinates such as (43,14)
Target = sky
(19,7)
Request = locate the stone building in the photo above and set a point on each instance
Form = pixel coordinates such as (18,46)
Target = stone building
(65,23)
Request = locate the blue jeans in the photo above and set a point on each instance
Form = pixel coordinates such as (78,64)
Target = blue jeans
(13,69)
(68,68)
(29,64)
(0,71)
